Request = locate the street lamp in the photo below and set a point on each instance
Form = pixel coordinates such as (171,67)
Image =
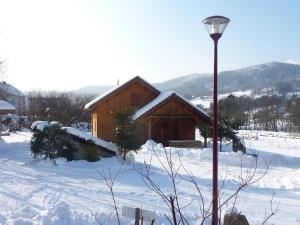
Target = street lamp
(215,26)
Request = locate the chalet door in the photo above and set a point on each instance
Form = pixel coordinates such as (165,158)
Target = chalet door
(164,130)
(187,129)
(169,131)
(175,130)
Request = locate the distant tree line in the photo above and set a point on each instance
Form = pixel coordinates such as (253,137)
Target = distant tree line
(268,112)
(273,113)
(63,107)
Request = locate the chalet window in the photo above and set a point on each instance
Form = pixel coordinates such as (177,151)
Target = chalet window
(135,99)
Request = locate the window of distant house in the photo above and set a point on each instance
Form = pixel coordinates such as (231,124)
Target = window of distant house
(135,99)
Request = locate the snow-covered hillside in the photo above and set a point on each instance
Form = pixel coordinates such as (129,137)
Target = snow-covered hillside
(265,75)
(33,192)
(206,101)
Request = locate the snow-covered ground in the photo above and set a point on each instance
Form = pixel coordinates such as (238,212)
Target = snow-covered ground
(39,192)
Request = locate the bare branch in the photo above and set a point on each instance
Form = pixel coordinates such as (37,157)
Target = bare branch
(273,210)
(109,181)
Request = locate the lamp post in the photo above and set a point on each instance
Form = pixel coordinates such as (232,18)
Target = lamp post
(215,26)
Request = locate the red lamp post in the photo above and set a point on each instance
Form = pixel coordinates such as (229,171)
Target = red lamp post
(215,26)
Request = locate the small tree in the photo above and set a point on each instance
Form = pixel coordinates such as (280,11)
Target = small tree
(233,110)
(226,132)
(205,131)
(49,143)
(126,133)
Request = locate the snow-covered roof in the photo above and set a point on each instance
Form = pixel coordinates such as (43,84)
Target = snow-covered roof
(41,125)
(97,141)
(91,103)
(163,96)
(5,106)
(10,90)
(159,99)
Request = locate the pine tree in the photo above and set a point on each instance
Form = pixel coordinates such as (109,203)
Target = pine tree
(50,143)
(205,131)
(226,131)
(126,133)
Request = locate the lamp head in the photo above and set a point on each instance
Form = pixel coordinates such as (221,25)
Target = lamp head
(216,25)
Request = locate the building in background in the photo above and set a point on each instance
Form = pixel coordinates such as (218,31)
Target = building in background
(14,96)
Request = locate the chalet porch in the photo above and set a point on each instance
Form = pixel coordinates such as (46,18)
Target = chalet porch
(169,128)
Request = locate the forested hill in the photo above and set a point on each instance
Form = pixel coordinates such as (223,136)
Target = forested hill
(267,75)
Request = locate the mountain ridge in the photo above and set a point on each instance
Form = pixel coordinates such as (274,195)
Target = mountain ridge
(264,75)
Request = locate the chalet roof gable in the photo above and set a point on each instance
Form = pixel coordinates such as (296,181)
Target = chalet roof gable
(164,96)
(116,89)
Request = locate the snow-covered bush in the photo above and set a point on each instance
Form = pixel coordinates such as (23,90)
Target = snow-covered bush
(49,141)
(91,151)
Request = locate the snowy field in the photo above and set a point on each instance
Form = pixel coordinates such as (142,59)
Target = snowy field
(33,192)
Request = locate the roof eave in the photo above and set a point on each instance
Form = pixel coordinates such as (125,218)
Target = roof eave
(151,110)
(89,106)
(205,116)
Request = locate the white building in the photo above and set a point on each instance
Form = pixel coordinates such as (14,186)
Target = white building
(14,96)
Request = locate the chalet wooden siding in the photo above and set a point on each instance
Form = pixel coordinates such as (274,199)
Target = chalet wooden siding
(131,97)
(169,117)
(171,120)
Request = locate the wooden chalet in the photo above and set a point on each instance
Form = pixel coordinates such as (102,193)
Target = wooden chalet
(162,116)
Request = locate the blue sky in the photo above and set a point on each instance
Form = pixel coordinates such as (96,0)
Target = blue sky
(66,44)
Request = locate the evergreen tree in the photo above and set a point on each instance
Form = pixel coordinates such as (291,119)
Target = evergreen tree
(226,131)
(50,143)
(126,133)
(232,110)
(205,131)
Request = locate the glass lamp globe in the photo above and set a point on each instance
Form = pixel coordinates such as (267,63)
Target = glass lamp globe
(215,25)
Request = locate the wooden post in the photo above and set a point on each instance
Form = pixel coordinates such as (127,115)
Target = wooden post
(149,129)
(137,216)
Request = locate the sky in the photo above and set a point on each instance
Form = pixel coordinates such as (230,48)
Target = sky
(67,44)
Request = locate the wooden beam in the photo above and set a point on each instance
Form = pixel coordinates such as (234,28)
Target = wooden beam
(149,129)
